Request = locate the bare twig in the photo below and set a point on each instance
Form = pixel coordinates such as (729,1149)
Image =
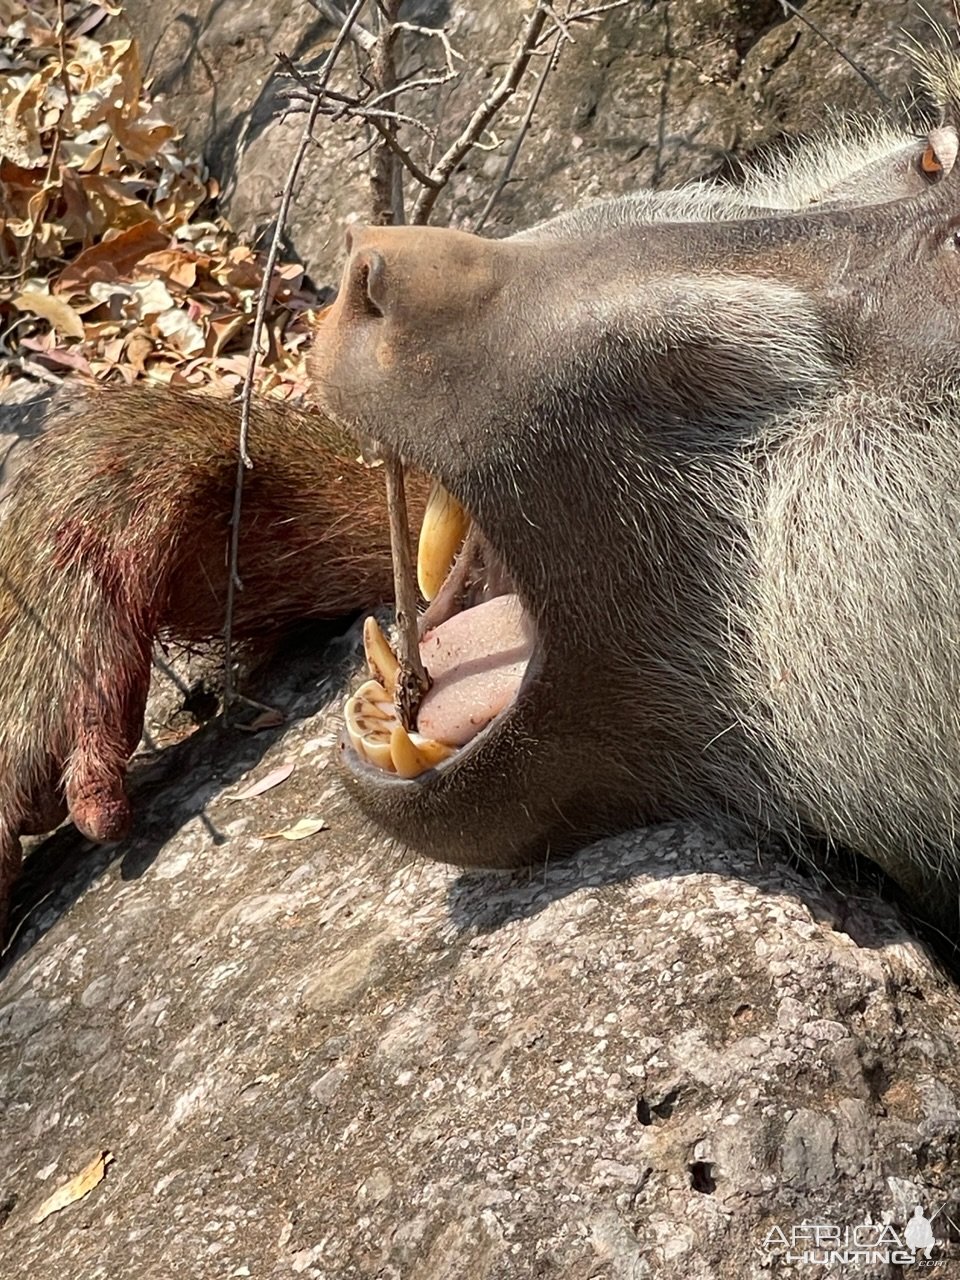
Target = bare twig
(571,18)
(386,180)
(503,90)
(244,461)
(548,67)
(338,105)
(412,679)
(386,192)
(62,48)
(404,156)
(561,34)
(356,31)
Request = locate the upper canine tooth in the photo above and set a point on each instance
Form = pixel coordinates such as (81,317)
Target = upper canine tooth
(444,525)
(381,659)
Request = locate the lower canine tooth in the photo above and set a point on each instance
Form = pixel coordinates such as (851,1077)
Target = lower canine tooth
(410,758)
(444,525)
(381,659)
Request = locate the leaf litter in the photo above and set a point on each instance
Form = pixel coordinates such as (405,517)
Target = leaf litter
(114,263)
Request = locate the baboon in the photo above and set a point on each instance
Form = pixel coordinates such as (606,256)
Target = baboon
(707,444)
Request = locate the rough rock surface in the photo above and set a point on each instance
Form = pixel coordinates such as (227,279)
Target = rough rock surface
(306,1058)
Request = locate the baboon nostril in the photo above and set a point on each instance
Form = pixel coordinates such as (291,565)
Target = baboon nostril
(370,283)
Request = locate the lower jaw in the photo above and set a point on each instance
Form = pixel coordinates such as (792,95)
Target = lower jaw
(459,822)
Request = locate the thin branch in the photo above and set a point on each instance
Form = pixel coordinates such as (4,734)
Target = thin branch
(339,106)
(485,112)
(244,461)
(386,190)
(412,679)
(548,67)
(864,75)
(357,32)
(403,155)
(62,48)
(386,181)
(561,35)
(563,23)
(587,15)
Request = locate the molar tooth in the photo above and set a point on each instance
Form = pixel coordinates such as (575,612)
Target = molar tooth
(411,758)
(374,701)
(376,749)
(444,525)
(381,659)
(368,716)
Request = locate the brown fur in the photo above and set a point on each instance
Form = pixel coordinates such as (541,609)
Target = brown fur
(115,532)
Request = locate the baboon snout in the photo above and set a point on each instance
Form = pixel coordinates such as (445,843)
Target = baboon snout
(414,275)
(414,307)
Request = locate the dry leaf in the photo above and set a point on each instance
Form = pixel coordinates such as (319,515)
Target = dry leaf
(59,313)
(268,719)
(79,1186)
(107,228)
(299,831)
(272,779)
(111,259)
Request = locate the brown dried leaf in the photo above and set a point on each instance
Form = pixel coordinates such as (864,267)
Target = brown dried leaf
(79,1186)
(112,259)
(223,328)
(272,779)
(299,831)
(60,314)
(175,266)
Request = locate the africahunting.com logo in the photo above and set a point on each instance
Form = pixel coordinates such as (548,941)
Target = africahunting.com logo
(867,1243)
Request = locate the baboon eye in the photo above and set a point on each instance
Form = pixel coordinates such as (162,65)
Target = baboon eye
(940,153)
(930,162)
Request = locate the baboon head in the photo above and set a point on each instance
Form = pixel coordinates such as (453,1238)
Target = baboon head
(610,405)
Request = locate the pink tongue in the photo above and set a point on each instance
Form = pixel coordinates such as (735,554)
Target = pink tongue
(477,659)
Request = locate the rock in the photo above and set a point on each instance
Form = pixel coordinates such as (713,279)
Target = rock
(665,1057)
(306,1058)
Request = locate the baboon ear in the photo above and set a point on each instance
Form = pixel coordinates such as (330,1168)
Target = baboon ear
(939,153)
(937,62)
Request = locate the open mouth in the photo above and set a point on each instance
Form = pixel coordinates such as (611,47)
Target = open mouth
(475,639)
